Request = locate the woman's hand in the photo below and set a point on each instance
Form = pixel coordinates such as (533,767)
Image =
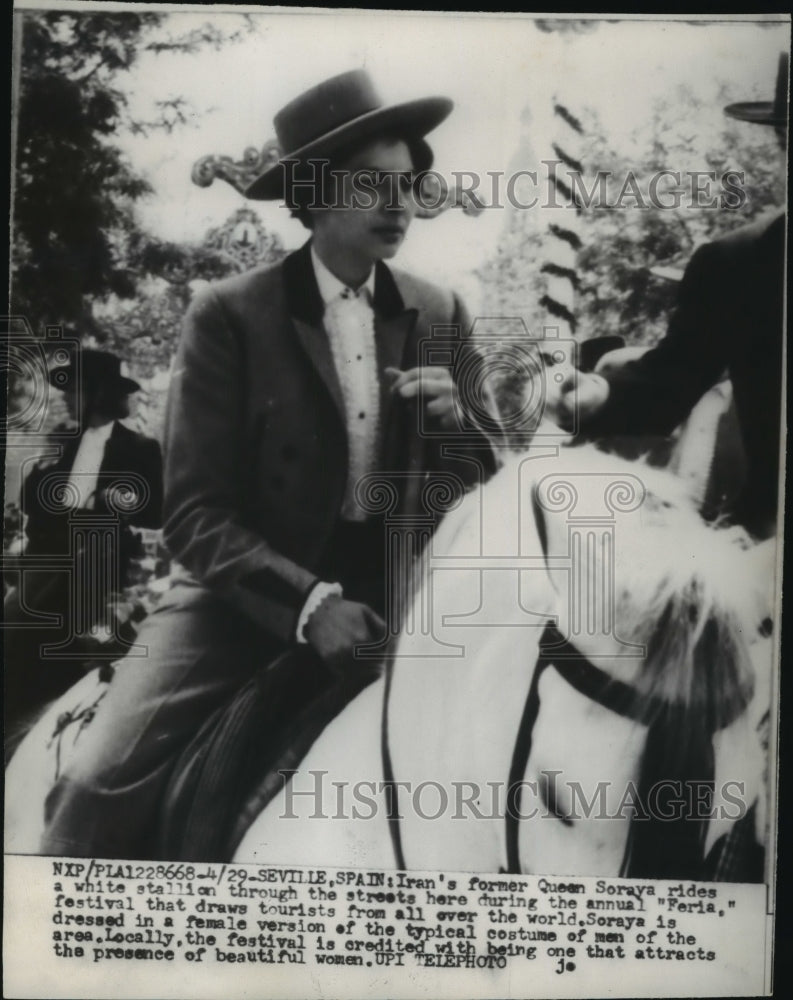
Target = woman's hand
(436,387)
(337,627)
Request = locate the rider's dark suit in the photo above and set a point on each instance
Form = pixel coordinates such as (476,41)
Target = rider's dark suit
(728,318)
(255,472)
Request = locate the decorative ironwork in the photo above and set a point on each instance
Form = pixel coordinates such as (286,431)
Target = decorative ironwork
(244,238)
(435,195)
(240,174)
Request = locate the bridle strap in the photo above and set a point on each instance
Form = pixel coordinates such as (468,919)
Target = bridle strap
(658,846)
(390,789)
(520,759)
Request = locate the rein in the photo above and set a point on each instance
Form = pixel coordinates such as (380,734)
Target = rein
(389,785)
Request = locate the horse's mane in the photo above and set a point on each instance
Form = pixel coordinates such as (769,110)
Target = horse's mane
(690,612)
(682,588)
(684,591)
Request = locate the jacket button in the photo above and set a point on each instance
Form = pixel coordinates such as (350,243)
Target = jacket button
(289,453)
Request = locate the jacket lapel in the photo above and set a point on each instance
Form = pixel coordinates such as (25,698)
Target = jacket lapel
(317,348)
(66,460)
(117,448)
(393,326)
(306,309)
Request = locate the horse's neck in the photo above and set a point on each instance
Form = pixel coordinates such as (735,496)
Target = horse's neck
(581,566)
(601,644)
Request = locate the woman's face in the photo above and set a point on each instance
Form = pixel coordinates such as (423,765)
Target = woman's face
(375,205)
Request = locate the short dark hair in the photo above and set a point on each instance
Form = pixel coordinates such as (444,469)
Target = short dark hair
(300,196)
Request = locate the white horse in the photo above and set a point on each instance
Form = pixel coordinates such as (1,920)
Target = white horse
(664,612)
(481,748)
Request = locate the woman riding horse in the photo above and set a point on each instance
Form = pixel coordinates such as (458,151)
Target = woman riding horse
(576,689)
(581,701)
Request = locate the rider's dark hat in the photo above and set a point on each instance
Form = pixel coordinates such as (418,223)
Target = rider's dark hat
(336,113)
(93,369)
(774,112)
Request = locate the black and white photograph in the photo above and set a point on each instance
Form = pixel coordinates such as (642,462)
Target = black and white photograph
(393,513)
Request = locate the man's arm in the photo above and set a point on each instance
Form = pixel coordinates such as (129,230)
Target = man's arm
(150,468)
(205,478)
(658,391)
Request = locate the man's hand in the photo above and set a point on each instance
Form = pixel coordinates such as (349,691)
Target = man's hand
(337,627)
(583,394)
(436,386)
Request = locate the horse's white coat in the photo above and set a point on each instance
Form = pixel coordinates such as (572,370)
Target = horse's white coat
(319,819)
(453,718)
(590,755)
(32,770)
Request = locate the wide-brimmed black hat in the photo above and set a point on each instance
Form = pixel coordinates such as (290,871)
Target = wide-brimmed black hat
(774,112)
(335,113)
(93,369)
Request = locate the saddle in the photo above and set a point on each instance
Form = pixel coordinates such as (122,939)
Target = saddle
(244,753)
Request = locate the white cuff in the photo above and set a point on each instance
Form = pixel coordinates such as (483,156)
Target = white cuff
(316,596)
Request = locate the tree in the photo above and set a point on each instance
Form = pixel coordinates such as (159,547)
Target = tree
(622,244)
(619,291)
(149,324)
(76,237)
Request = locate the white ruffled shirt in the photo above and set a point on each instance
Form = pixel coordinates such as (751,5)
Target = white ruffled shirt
(84,473)
(349,324)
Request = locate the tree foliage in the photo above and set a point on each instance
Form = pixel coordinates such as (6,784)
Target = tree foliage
(76,236)
(147,327)
(619,289)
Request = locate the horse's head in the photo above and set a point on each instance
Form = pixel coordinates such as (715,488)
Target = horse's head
(638,585)
(662,600)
